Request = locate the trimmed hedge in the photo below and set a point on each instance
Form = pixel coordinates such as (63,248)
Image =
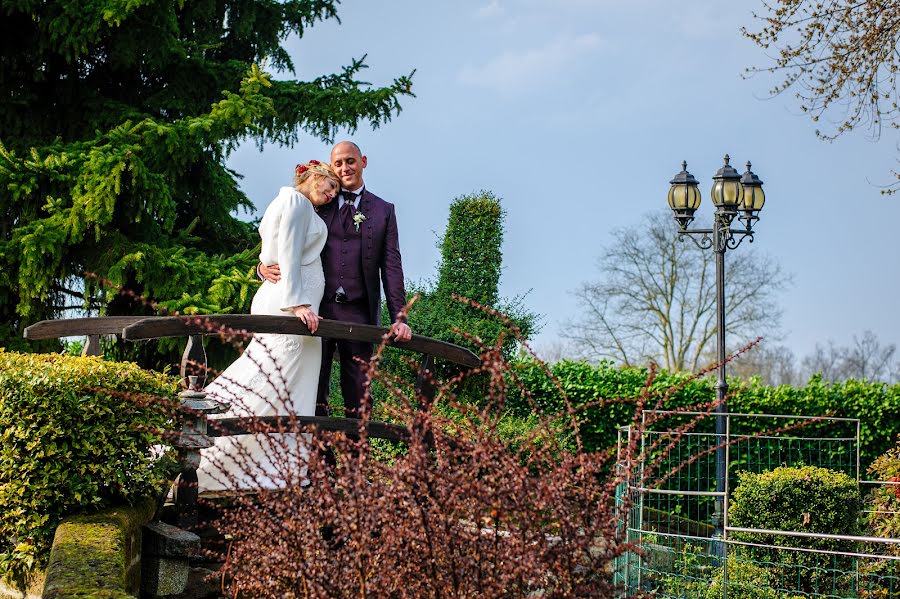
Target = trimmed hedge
(807,499)
(877,405)
(67,446)
(470,266)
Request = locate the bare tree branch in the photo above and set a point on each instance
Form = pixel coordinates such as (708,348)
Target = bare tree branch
(655,299)
(840,57)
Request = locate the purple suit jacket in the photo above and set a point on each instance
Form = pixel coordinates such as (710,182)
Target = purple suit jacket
(381,261)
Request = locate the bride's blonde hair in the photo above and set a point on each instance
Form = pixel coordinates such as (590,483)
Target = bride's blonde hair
(302,172)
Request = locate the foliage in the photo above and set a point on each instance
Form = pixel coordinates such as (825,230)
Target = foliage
(692,577)
(471,260)
(655,299)
(113,149)
(747,580)
(586,386)
(875,404)
(884,501)
(462,512)
(70,442)
(470,249)
(840,56)
(798,499)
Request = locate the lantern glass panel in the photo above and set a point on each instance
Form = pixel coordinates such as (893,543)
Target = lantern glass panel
(683,196)
(716,193)
(733,193)
(676,197)
(694,197)
(754,197)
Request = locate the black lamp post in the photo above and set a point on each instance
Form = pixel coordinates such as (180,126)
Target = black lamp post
(733,195)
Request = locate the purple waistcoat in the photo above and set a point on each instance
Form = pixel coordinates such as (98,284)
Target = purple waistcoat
(376,259)
(342,261)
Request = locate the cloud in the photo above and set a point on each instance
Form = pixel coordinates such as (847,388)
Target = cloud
(491,9)
(530,68)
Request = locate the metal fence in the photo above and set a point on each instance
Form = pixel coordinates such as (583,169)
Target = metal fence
(679,520)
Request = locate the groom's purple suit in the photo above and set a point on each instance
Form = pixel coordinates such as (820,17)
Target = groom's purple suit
(358,261)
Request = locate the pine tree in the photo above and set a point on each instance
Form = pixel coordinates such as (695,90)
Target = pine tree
(115,122)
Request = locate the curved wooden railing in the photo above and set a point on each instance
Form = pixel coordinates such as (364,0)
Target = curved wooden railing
(194,364)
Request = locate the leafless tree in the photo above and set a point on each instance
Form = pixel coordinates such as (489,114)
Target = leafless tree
(865,359)
(827,360)
(840,57)
(774,365)
(655,299)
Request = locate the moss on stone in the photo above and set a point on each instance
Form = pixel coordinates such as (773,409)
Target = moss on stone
(95,556)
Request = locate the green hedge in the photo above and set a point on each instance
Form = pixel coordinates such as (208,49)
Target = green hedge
(807,499)
(877,405)
(804,499)
(66,446)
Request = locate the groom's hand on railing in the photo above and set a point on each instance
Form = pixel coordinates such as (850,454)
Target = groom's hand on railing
(270,273)
(400,331)
(309,318)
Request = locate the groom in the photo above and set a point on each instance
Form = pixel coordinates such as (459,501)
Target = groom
(362,246)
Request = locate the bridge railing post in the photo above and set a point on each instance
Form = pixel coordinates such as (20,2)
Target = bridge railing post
(92,346)
(425,387)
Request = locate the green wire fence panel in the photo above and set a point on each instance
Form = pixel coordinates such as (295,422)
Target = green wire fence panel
(669,510)
(674,568)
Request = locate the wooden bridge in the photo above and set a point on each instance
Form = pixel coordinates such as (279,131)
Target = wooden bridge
(195,434)
(194,363)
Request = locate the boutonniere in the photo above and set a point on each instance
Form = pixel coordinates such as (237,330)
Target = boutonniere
(358,218)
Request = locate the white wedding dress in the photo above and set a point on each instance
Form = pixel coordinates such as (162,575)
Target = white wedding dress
(276,374)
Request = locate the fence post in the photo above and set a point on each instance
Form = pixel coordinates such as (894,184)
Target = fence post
(425,380)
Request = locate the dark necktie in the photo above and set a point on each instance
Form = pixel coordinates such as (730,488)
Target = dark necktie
(347,210)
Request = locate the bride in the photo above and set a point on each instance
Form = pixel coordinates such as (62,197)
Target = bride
(276,374)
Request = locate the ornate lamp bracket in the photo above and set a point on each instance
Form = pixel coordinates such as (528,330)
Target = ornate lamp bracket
(735,238)
(702,238)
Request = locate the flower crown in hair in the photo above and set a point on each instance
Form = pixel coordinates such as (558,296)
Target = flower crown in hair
(319,168)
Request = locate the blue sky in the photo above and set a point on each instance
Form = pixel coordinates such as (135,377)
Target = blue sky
(577,113)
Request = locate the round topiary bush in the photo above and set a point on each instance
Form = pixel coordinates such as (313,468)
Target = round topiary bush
(75,436)
(798,499)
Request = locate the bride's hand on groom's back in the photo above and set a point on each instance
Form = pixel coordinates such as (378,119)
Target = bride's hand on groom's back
(309,318)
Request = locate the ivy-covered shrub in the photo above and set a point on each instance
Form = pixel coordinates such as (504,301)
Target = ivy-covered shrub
(875,404)
(798,499)
(68,446)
